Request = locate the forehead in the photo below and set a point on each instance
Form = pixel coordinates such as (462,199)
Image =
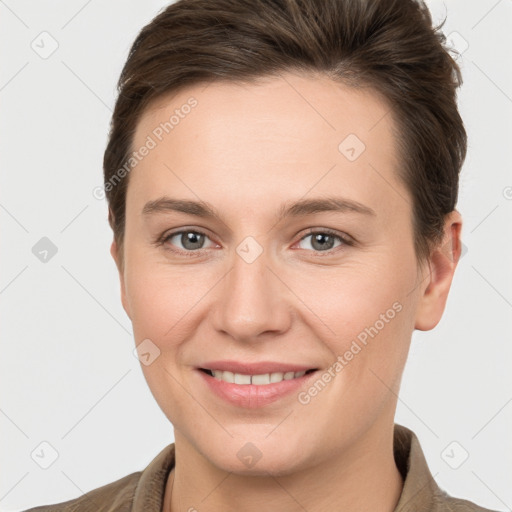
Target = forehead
(284,134)
(292,104)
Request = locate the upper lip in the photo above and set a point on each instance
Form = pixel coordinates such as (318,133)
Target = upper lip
(257,368)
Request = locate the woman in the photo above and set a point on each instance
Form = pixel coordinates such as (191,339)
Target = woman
(282,180)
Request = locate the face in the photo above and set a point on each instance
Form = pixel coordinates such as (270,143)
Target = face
(267,234)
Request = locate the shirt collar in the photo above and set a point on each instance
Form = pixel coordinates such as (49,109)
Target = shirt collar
(419,491)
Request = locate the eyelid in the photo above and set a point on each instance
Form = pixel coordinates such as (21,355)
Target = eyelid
(342,236)
(346,240)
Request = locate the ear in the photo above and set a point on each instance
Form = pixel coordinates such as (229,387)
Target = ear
(439,275)
(114,251)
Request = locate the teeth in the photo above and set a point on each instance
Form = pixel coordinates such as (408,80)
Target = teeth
(258,380)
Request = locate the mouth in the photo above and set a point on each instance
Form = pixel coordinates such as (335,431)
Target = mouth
(253,385)
(262,379)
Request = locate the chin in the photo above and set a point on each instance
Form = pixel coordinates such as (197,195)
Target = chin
(258,458)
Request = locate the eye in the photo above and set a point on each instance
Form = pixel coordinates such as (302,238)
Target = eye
(190,240)
(324,240)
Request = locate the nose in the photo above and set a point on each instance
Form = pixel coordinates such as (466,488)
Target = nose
(253,302)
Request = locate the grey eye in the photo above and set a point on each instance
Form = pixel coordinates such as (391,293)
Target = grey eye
(321,241)
(189,240)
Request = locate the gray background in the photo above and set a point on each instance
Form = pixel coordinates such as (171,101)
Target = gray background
(69,376)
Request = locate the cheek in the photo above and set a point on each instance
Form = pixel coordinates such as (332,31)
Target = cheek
(371,326)
(338,304)
(347,300)
(365,315)
(162,298)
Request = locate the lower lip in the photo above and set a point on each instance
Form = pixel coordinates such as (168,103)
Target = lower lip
(252,396)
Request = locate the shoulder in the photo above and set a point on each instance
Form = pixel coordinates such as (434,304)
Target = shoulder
(421,492)
(117,495)
(142,490)
(447,503)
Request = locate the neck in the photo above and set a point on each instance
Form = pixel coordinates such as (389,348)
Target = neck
(362,478)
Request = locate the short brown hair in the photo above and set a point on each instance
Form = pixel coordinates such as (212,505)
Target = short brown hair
(389,46)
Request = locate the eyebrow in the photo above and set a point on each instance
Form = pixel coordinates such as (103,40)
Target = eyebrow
(299,208)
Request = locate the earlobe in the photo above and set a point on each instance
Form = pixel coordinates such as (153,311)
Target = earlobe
(439,275)
(114,251)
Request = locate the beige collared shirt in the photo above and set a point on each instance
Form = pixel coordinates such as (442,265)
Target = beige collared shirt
(144,491)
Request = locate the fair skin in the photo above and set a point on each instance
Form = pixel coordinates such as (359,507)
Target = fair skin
(247,151)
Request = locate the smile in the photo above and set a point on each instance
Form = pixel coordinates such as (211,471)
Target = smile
(258,380)
(260,385)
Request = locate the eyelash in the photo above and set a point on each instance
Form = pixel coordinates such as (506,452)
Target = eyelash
(345,239)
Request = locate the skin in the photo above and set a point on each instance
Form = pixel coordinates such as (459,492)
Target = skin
(247,150)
